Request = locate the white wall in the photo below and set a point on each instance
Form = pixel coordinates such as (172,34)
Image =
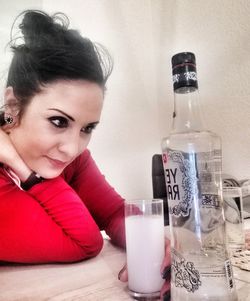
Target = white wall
(219,34)
(142,35)
(8,12)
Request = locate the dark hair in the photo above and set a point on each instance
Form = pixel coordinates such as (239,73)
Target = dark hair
(50,52)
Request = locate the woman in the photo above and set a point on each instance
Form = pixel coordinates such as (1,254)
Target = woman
(53,199)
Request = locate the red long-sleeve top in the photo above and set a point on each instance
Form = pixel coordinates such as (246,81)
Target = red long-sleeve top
(59,220)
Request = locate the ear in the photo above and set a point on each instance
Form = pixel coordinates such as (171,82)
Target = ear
(11,105)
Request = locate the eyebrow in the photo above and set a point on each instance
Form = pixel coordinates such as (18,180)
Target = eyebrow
(71,118)
(65,114)
(92,124)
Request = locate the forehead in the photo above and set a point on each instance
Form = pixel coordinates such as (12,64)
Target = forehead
(74,97)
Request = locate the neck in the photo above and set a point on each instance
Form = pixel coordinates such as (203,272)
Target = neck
(187,115)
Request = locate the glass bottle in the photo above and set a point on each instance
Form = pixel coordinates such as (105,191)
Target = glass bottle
(201,268)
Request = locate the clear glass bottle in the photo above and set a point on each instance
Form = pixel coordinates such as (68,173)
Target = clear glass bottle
(201,269)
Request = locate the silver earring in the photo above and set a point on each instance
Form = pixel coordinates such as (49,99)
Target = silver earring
(8,119)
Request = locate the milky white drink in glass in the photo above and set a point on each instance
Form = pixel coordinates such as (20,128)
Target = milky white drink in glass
(145,246)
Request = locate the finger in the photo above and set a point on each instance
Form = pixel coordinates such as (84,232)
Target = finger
(165,291)
(166,274)
(123,274)
(167,258)
(167,296)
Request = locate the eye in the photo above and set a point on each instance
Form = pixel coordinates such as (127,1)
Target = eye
(59,121)
(89,128)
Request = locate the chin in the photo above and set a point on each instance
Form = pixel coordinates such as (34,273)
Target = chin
(49,174)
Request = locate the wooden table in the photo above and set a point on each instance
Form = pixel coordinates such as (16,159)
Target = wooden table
(91,280)
(94,279)
(242,279)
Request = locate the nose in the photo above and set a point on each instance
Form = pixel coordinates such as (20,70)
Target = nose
(72,146)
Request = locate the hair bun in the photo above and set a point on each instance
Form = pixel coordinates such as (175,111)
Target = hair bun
(39,28)
(49,51)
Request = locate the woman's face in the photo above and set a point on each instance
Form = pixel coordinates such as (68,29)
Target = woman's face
(57,124)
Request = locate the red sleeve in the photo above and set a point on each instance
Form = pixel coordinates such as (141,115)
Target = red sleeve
(104,203)
(49,223)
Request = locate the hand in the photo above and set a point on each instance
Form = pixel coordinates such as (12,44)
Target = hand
(165,272)
(10,157)
(123,274)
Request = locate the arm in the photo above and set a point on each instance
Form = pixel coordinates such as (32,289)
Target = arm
(104,203)
(49,223)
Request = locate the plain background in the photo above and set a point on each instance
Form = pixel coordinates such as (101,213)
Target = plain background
(142,36)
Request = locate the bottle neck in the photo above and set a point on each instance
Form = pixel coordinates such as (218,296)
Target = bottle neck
(187,114)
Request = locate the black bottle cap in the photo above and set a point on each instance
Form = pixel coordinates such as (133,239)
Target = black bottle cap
(184,71)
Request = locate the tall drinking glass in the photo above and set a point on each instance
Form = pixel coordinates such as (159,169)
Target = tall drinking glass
(233,210)
(145,246)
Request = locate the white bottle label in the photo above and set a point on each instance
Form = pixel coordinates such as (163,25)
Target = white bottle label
(190,181)
(194,273)
(180,179)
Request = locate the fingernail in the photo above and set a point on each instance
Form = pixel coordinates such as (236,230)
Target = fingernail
(120,273)
(166,272)
(167,296)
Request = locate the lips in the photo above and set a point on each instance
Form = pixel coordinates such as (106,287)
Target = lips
(57,163)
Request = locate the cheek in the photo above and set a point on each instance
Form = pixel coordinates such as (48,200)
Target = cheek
(85,142)
(30,145)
